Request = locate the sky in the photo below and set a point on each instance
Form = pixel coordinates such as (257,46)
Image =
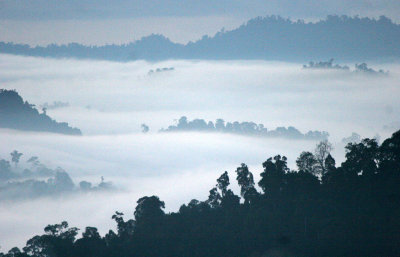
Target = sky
(104,22)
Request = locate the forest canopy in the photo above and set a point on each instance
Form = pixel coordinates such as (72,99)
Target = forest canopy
(243,128)
(318,209)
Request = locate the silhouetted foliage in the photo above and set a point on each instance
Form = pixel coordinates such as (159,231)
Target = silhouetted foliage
(322,151)
(246,182)
(159,70)
(243,128)
(17,114)
(15,156)
(350,210)
(307,163)
(363,67)
(19,183)
(358,68)
(272,179)
(54,105)
(325,65)
(145,128)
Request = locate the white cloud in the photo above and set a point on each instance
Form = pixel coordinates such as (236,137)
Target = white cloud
(177,167)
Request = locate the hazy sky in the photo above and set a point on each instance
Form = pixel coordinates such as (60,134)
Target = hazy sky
(121,21)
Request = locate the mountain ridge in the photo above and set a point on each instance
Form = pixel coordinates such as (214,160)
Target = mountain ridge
(344,38)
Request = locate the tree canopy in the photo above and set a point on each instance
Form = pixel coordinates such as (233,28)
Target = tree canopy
(347,210)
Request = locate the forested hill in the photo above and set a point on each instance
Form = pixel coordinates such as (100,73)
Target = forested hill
(271,38)
(20,115)
(320,209)
(243,128)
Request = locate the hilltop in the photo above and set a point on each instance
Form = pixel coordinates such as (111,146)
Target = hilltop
(268,38)
(20,115)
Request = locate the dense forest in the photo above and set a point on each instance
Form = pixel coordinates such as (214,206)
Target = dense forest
(20,115)
(243,128)
(358,68)
(269,38)
(320,209)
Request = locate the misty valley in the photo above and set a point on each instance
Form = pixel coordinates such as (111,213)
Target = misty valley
(279,137)
(38,180)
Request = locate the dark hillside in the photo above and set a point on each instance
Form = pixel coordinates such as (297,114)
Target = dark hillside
(20,115)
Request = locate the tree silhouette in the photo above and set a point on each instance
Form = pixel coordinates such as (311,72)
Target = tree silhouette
(214,198)
(14,252)
(145,128)
(149,211)
(125,228)
(34,160)
(272,178)
(330,163)
(322,150)
(15,156)
(307,163)
(223,183)
(389,153)
(246,183)
(362,158)
(243,128)
(91,232)
(352,210)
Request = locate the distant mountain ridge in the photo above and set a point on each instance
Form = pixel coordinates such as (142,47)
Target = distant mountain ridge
(270,38)
(20,115)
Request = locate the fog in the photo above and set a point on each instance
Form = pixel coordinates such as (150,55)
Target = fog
(109,101)
(109,98)
(176,167)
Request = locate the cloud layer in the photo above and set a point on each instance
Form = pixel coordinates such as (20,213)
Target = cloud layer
(107,97)
(109,101)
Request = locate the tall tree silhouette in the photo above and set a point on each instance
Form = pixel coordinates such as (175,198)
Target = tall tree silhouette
(15,156)
(246,182)
(322,150)
(272,178)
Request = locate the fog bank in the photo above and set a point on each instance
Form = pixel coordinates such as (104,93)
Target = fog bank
(109,102)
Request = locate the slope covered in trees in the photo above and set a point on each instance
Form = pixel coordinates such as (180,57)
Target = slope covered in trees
(17,114)
(243,128)
(270,38)
(320,209)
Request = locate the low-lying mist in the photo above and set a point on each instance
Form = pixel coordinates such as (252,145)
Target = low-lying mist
(113,98)
(109,102)
(177,167)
